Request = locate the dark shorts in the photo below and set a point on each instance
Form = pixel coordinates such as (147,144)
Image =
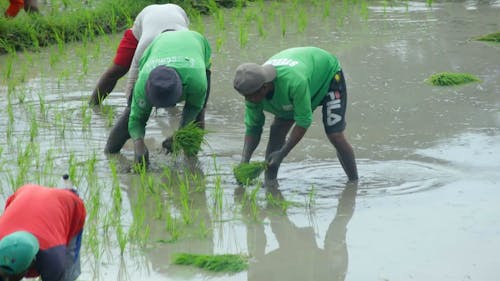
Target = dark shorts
(126,49)
(73,258)
(334,105)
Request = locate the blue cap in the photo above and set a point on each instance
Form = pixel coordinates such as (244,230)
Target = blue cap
(163,87)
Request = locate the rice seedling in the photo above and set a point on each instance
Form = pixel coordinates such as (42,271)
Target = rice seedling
(230,263)
(218,195)
(278,202)
(86,117)
(171,227)
(109,113)
(8,66)
(188,139)
(310,201)
(283,24)
(10,111)
(302,20)
(492,37)
(72,168)
(243,32)
(249,203)
(48,162)
(122,238)
(116,193)
(451,79)
(33,127)
(184,187)
(246,173)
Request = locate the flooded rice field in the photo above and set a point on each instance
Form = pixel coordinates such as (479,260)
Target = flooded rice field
(426,206)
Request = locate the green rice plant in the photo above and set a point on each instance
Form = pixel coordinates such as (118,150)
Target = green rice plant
(278,202)
(86,116)
(492,37)
(116,192)
(48,162)
(188,139)
(218,194)
(139,230)
(60,124)
(33,127)
(310,201)
(283,24)
(364,10)
(109,112)
(184,187)
(43,109)
(90,168)
(203,230)
(243,32)
(217,263)
(246,173)
(171,227)
(197,22)
(10,111)
(249,203)
(253,203)
(122,238)
(8,65)
(93,206)
(219,41)
(72,168)
(302,22)
(451,79)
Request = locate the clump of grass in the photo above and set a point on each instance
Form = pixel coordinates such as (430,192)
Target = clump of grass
(246,173)
(492,37)
(188,139)
(215,263)
(450,79)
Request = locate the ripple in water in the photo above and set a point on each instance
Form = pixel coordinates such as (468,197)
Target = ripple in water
(377,178)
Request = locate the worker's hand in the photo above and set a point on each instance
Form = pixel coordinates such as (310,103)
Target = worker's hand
(141,154)
(167,144)
(274,159)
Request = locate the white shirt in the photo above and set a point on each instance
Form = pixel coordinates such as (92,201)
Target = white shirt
(150,22)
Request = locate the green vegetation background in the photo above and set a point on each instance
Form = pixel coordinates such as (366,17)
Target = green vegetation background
(62,21)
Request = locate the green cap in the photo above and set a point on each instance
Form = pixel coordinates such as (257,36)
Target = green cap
(17,251)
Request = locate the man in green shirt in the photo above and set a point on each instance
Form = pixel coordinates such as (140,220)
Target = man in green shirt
(175,67)
(290,85)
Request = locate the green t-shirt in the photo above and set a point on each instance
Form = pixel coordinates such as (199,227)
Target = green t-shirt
(303,76)
(188,52)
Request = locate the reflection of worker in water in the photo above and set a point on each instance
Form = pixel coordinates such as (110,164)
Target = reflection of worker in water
(298,256)
(41,231)
(30,6)
(150,22)
(180,195)
(174,68)
(291,85)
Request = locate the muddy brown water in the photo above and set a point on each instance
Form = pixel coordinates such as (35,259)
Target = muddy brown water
(426,206)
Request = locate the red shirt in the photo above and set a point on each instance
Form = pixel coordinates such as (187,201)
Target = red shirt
(54,216)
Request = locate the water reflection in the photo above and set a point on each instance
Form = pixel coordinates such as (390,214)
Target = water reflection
(298,256)
(172,209)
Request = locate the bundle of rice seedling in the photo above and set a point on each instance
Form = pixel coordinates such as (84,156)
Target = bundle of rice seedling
(216,263)
(188,139)
(449,79)
(492,37)
(246,173)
